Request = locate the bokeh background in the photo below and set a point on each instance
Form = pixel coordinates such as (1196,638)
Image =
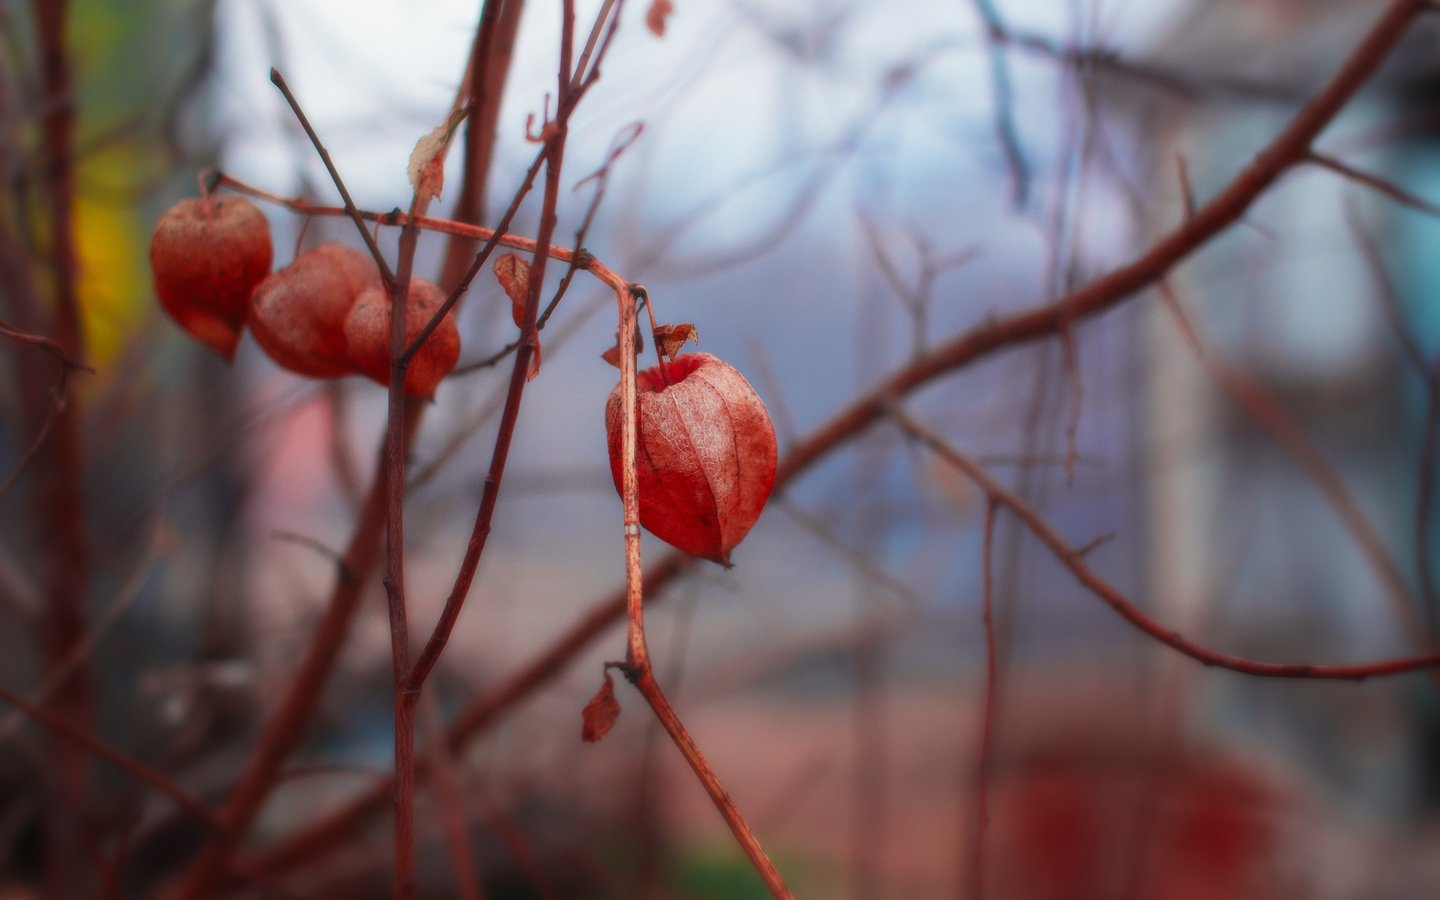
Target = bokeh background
(827,190)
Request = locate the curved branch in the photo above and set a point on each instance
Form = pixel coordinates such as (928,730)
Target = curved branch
(1074,560)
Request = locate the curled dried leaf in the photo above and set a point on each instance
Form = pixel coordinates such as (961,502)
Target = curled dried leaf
(656,15)
(670,338)
(612,356)
(426,169)
(513,273)
(601,712)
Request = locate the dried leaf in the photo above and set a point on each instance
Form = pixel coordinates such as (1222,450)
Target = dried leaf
(547,130)
(670,338)
(612,356)
(656,15)
(601,712)
(513,274)
(427,161)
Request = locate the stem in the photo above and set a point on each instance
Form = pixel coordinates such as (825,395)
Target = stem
(488,69)
(283,732)
(637,656)
(650,313)
(542,250)
(58,510)
(649,688)
(1266,411)
(75,735)
(409,682)
(349,208)
(987,729)
(1074,560)
(394,580)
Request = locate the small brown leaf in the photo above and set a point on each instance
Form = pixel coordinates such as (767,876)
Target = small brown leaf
(670,338)
(601,712)
(612,356)
(534,368)
(547,131)
(513,274)
(427,161)
(656,15)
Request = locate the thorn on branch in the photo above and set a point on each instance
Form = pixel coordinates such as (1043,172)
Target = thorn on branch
(1374,182)
(342,568)
(1094,543)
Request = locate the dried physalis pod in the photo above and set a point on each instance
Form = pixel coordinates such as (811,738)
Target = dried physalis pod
(367,337)
(298,313)
(207,255)
(705,457)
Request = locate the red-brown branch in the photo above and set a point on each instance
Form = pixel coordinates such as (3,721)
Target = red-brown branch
(58,503)
(1074,560)
(981,819)
(282,734)
(1266,411)
(141,772)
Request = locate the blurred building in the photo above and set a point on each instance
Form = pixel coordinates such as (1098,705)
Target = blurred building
(1303,311)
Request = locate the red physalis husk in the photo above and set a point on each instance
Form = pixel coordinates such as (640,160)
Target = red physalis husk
(706,454)
(298,314)
(207,255)
(367,337)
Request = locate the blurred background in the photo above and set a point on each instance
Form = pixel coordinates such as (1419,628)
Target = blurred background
(828,190)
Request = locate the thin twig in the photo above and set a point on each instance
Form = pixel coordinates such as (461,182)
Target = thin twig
(983,759)
(80,654)
(58,501)
(1266,411)
(1375,183)
(638,667)
(139,770)
(1429,374)
(32,451)
(449,794)
(296,708)
(1003,100)
(542,251)
(50,346)
(350,209)
(1128,610)
(649,688)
